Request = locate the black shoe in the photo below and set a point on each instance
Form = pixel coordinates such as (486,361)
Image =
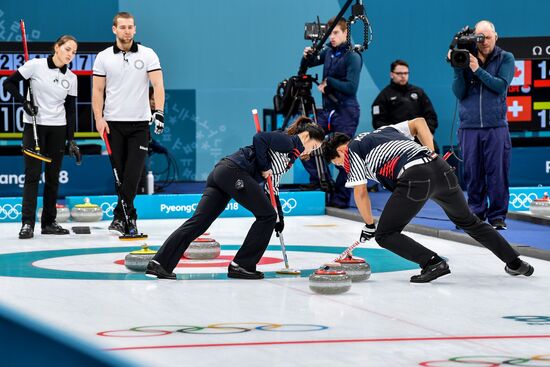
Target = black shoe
(54,228)
(499,224)
(154,269)
(431,272)
(524,269)
(235,271)
(26,232)
(131,229)
(117,227)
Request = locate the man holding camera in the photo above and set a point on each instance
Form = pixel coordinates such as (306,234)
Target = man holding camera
(341,70)
(484,139)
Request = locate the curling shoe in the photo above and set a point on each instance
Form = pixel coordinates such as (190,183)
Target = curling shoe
(524,269)
(54,228)
(132,229)
(154,269)
(235,271)
(26,232)
(431,272)
(117,227)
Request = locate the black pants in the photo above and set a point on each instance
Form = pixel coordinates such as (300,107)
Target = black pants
(129,143)
(220,188)
(434,180)
(52,144)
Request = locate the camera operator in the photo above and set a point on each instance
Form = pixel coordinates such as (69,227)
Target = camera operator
(402,101)
(341,70)
(483,133)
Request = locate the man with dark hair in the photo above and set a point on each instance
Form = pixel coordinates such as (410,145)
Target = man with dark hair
(122,74)
(401,101)
(341,70)
(414,174)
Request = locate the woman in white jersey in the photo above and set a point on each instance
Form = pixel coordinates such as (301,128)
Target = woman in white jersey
(54,89)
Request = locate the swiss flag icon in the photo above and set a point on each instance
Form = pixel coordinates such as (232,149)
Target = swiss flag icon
(519,108)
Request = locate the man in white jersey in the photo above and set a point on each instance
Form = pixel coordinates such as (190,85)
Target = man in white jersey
(414,174)
(122,73)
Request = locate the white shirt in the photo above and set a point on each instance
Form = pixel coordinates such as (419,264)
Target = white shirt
(50,87)
(126,81)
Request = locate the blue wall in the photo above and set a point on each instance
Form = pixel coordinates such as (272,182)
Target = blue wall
(230,55)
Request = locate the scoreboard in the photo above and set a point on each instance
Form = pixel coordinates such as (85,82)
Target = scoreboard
(529,93)
(11,112)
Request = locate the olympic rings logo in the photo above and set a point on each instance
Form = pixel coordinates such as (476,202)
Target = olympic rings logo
(212,329)
(108,208)
(288,205)
(490,361)
(522,200)
(8,211)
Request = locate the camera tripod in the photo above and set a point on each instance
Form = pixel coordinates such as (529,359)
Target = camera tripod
(303,104)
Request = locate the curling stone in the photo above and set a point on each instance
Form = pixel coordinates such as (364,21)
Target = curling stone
(330,279)
(540,207)
(138,260)
(203,248)
(62,213)
(357,268)
(86,212)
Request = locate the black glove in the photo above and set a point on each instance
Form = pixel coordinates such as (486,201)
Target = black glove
(74,152)
(158,119)
(280,225)
(367,232)
(30,109)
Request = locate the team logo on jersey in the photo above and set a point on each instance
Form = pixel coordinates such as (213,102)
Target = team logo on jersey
(139,64)
(65,84)
(414,96)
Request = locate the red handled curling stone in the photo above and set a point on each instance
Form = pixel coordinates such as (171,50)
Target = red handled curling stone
(357,268)
(62,213)
(203,248)
(540,207)
(330,279)
(138,260)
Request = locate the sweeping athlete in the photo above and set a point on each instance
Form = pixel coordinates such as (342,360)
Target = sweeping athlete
(414,174)
(238,176)
(53,106)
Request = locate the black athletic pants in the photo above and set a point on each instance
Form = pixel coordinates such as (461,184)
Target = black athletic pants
(434,180)
(52,144)
(220,188)
(129,144)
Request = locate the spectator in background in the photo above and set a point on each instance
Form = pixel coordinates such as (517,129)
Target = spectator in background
(401,101)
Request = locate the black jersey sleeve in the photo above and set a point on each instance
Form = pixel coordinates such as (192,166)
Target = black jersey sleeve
(11,85)
(276,141)
(70,112)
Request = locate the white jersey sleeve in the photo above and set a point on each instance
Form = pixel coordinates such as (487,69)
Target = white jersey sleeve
(28,69)
(403,128)
(73,91)
(153,62)
(99,68)
(357,174)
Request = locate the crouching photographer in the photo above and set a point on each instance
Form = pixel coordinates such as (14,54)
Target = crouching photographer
(482,74)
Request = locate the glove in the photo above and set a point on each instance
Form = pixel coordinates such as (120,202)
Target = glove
(280,225)
(367,232)
(158,120)
(74,152)
(30,109)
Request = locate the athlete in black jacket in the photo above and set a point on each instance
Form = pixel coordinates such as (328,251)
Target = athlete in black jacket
(237,177)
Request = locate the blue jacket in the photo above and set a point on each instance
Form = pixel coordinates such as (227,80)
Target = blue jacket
(341,71)
(482,95)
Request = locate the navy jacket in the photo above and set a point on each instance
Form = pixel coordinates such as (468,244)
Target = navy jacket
(342,69)
(482,95)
